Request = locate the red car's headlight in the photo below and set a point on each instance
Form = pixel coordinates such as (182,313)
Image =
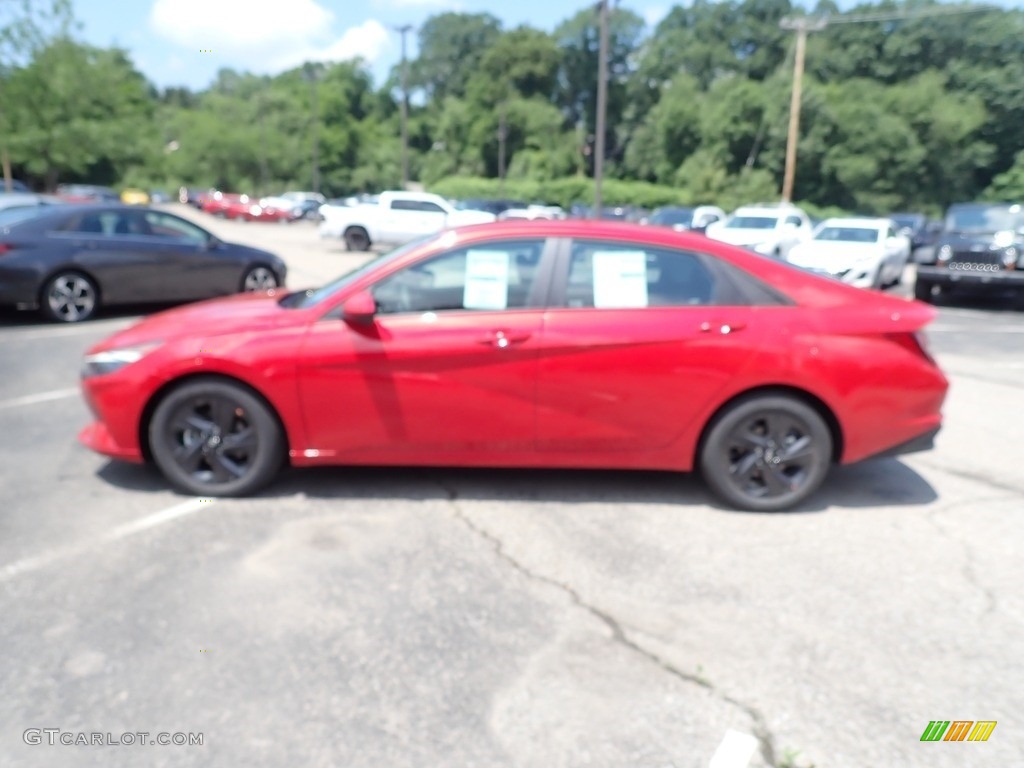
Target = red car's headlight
(115,359)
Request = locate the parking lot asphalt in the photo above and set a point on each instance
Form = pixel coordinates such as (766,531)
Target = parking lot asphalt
(371,617)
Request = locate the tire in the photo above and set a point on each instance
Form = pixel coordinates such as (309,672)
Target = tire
(258,277)
(357,239)
(766,453)
(215,438)
(923,290)
(69,297)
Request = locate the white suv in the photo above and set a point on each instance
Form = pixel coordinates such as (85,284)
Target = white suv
(769,229)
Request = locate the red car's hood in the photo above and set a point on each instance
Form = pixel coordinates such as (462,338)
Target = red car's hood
(242,312)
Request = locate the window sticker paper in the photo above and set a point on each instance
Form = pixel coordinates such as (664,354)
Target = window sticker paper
(620,279)
(487,274)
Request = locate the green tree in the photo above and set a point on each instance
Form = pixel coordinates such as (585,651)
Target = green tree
(76,109)
(451,47)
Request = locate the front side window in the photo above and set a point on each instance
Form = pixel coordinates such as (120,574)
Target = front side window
(617,276)
(488,277)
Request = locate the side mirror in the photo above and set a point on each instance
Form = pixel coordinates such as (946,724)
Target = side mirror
(213,244)
(359,308)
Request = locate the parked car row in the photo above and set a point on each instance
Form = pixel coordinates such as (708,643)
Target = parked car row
(284,208)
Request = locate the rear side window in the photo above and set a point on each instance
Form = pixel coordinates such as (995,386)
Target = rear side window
(619,276)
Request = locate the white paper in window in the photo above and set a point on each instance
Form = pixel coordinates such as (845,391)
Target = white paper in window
(620,279)
(486,280)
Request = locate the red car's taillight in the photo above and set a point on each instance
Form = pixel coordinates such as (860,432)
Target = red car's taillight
(914,342)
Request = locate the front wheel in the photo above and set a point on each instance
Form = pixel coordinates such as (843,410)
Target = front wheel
(925,291)
(215,438)
(766,454)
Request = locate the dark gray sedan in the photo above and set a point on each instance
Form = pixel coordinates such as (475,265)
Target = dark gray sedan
(67,261)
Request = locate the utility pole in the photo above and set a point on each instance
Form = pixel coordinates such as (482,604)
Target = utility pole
(404,30)
(502,135)
(802,26)
(312,75)
(602,106)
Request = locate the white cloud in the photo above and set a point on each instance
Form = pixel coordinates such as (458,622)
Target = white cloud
(367,41)
(234,25)
(436,5)
(265,35)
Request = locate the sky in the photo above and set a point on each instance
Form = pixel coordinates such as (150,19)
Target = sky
(185,42)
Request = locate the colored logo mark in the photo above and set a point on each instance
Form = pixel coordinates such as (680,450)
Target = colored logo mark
(958,730)
(206,50)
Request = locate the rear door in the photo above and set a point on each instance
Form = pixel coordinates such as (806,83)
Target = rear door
(105,247)
(638,341)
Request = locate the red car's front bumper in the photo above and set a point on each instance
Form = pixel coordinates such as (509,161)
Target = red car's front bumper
(115,432)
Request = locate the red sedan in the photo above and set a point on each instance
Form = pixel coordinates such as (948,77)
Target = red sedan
(247,209)
(218,203)
(529,344)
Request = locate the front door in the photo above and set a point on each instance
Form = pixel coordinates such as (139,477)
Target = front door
(446,373)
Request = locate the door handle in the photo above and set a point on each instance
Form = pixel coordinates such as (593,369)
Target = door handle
(723,328)
(503,339)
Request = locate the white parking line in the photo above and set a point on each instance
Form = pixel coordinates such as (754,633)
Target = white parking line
(939,328)
(42,397)
(99,327)
(735,750)
(122,531)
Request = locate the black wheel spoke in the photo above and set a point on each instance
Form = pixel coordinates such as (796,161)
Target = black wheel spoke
(744,468)
(189,456)
(747,438)
(193,421)
(776,481)
(224,469)
(779,426)
(244,440)
(798,451)
(223,414)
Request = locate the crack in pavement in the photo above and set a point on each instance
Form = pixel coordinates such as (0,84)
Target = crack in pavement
(968,570)
(975,477)
(762,733)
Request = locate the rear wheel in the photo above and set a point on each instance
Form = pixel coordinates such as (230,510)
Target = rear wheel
(258,278)
(69,297)
(357,239)
(766,454)
(215,438)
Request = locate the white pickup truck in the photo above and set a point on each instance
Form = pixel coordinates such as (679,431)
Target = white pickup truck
(396,218)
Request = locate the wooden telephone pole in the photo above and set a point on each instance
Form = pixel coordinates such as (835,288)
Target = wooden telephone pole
(802,26)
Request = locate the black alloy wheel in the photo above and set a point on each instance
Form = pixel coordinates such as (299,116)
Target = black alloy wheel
(357,239)
(69,297)
(215,438)
(766,454)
